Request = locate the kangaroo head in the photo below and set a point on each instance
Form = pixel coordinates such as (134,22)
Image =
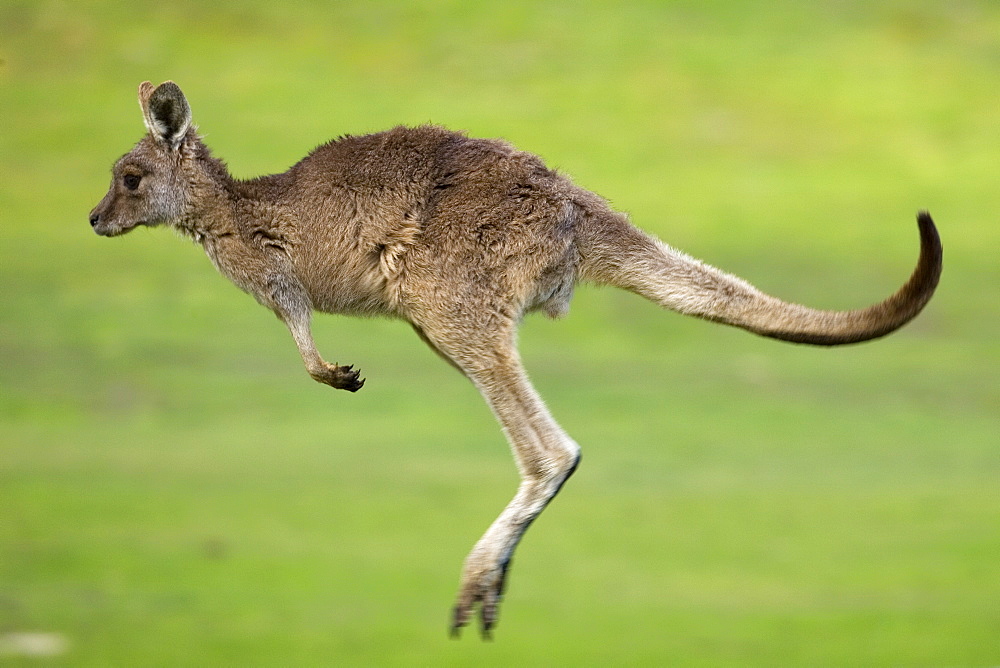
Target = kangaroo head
(151,184)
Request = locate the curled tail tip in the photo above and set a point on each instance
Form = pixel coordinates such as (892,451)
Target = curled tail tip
(928,230)
(930,240)
(926,224)
(831,328)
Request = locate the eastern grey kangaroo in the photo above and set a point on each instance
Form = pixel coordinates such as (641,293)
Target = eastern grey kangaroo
(461,238)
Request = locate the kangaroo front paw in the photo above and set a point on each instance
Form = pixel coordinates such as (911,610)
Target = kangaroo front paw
(348,378)
(341,377)
(483,588)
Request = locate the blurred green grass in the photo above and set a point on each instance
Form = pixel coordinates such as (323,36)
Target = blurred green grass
(175,490)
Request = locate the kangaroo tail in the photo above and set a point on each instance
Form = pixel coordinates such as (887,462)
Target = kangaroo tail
(616,253)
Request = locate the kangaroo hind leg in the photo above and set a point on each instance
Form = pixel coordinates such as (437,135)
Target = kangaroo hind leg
(545,455)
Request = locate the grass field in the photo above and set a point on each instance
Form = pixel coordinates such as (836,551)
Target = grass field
(174,490)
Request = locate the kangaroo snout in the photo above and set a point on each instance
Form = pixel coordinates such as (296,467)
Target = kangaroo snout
(106,221)
(98,223)
(101,225)
(98,215)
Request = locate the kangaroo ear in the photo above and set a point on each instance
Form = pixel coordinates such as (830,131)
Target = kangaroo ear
(165,111)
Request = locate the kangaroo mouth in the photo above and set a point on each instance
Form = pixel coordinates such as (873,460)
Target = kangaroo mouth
(114,230)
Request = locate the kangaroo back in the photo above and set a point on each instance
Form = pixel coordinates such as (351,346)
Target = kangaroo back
(616,253)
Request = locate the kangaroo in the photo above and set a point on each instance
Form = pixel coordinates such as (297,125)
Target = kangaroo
(460,237)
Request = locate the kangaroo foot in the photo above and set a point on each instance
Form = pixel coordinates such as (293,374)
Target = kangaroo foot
(483,587)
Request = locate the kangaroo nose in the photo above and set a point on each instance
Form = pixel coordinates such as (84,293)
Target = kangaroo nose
(94,218)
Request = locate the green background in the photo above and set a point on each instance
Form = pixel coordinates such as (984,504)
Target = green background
(175,490)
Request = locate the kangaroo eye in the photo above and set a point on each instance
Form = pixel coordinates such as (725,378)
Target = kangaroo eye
(132,181)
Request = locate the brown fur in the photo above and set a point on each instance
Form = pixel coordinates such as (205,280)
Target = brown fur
(461,237)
